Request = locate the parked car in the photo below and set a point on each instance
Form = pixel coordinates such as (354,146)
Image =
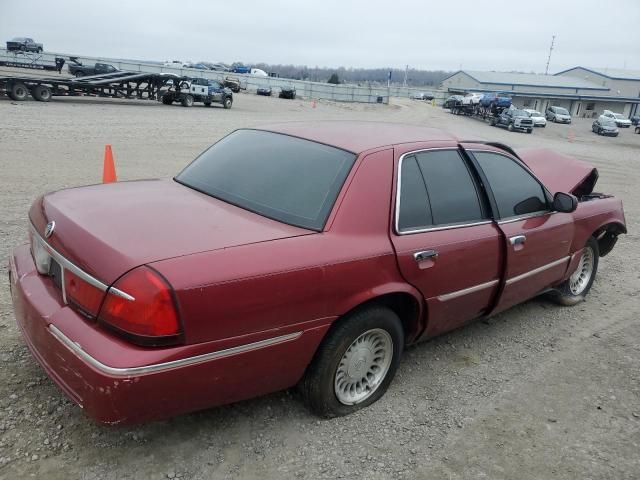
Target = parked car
(265,91)
(423,96)
(287,92)
(319,276)
(558,115)
(175,64)
(635,120)
(472,98)
(24,44)
(619,119)
(605,126)
(496,102)
(537,117)
(451,101)
(513,119)
(80,70)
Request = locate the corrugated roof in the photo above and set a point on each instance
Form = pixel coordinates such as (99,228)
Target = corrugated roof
(532,80)
(615,73)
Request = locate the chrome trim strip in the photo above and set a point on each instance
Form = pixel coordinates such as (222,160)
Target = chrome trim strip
(525,217)
(120,293)
(467,291)
(397,206)
(158,367)
(444,227)
(535,271)
(68,265)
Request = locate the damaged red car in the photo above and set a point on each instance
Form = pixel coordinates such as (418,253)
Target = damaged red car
(297,254)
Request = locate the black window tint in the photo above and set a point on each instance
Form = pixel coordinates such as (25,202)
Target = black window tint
(516,192)
(289,179)
(414,206)
(452,193)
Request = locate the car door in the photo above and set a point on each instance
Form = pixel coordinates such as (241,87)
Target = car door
(536,239)
(445,242)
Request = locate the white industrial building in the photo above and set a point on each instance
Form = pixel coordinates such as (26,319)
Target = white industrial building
(585,92)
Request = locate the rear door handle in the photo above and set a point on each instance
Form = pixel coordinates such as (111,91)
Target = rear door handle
(517,240)
(424,255)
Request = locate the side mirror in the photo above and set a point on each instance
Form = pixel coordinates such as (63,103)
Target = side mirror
(564,202)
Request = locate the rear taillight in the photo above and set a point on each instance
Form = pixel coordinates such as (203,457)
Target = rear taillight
(141,306)
(82,294)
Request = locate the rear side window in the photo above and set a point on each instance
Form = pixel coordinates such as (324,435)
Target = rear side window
(516,192)
(285,178)
(414,210)
(437,190)
(452,193)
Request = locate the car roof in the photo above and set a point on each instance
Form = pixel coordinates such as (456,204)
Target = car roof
(359,136)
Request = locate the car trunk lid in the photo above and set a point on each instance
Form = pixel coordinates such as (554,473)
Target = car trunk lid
(106,230)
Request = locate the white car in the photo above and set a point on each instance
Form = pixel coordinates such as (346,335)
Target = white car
(621,120)
(537,117)
(472,98)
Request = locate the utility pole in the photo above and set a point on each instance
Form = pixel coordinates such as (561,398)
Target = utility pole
(546,70)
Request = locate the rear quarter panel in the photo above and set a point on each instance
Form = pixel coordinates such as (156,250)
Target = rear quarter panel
(277,287)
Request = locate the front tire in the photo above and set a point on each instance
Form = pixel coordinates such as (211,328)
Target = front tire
(510,127)
(355,363)
(577,286)
(227,103)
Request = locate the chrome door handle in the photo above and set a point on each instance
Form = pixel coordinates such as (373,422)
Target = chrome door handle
(424,255)
(517,240)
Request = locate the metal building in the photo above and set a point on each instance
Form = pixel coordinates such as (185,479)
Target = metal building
(583,94)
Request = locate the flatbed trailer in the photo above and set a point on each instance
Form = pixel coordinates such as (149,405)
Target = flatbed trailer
(116,85)
(489,111)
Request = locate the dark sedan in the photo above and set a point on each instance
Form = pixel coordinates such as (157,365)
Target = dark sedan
(264,91)
(451,101)
(605,126)
(288,93)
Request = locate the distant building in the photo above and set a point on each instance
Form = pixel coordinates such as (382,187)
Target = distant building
(584,92)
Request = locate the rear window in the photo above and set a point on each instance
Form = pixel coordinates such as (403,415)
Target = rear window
(285,178)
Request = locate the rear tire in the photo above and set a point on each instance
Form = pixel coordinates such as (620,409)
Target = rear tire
(355,363)
(41,93)
(18,91)
(187,101)
(167,99)
(577,286)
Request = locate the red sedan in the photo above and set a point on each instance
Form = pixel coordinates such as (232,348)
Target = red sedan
(307,254)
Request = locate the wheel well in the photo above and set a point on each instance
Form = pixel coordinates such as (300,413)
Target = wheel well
(402,304)
(607,236)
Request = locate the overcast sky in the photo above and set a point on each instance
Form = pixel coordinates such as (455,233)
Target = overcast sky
(447,35)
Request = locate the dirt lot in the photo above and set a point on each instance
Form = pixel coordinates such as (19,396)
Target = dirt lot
(537,392)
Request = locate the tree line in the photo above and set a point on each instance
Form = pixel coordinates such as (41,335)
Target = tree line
(359,76)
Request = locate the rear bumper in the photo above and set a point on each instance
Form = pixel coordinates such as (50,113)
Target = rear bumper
(155,383)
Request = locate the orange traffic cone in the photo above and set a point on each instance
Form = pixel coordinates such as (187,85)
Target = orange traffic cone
(109,168)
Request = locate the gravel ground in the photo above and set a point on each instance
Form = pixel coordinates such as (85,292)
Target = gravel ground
(537,392)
